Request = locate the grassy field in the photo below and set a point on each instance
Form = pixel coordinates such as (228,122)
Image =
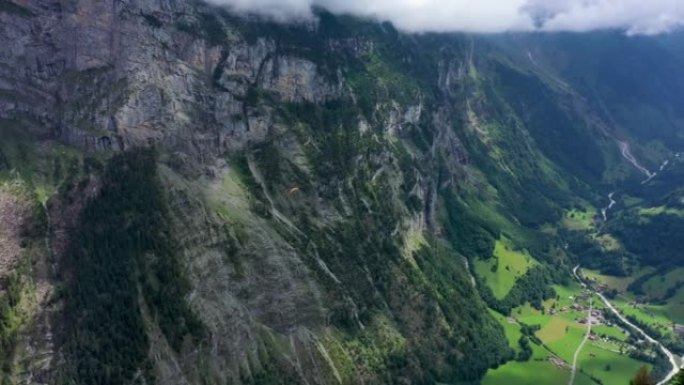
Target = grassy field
(653,211)
(530,315)
(657,286)
(564,333)
(565,294)
(612,332)
(511,329)
(657,316)
(577,220)
(527,373)
(570,340)
(653,315)
(538,371)
(610,367)
(561,334)
(608,242)
(554,330)
(503,270)
(675,307)
(612,282)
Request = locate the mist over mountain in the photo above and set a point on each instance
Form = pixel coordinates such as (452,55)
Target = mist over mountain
(324,192)
(631,16)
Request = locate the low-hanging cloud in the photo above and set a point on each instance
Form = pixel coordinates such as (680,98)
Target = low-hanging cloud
(632,16)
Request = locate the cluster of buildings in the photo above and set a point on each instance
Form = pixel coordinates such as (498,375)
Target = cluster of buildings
(596,318)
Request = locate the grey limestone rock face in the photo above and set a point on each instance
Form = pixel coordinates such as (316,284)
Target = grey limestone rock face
(103,74)
(107,76)
(111,75)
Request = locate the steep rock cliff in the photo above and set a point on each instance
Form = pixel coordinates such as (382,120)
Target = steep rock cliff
(262,203)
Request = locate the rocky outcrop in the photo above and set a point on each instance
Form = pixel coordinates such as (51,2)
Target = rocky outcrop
(106,76)
(15,210)
(114,74)
(304,171)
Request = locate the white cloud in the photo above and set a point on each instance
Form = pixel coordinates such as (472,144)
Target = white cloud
(277,9)
(632,16)
(439,15)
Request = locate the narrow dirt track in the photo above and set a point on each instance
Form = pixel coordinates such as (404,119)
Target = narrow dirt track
(573,371)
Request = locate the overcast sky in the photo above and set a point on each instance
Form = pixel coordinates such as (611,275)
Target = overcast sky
(632,16)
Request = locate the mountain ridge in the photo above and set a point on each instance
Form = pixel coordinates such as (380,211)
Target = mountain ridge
(289,203)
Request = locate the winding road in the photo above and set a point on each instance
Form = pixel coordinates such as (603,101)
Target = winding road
(671,357)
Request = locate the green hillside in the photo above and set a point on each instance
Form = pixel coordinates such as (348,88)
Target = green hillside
(190,196)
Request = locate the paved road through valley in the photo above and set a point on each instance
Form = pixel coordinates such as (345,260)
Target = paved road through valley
(671,357)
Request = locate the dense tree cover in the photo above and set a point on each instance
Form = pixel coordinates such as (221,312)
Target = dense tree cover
(635,82)
(469,234)
(525,352)
(666,189)
(123,262)
(589,253)
(528,334)
(474,237)
(678,379)
(533,287)
(527,193)
(650,353)
(476,334)
(637,288)
(654,239)
(561,136)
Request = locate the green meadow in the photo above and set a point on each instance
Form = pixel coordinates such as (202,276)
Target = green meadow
(657,286)
(569,341)
(659,210)
(654,289)
(503,270)
(610,367)
(653,315)
(561,334)
(539,370)
(577,220)
(511,329)
(610,331)
(674,308)
(612,282)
